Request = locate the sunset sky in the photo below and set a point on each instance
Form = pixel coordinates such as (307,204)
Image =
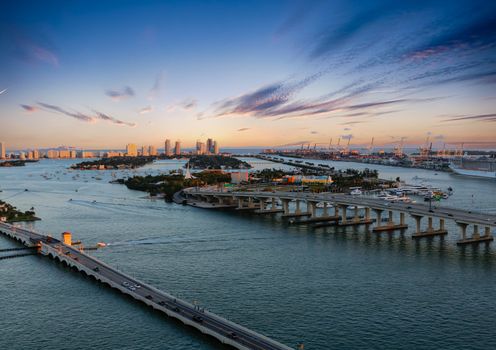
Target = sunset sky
(100,74)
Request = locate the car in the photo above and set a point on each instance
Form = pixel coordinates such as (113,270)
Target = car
(96,269)
(449,214)
(125,284)
(176,309)
(232,335)
(431,211)
(161,303)
(137,285)
(409,207)
(149,297)
(198,319)
(131,288)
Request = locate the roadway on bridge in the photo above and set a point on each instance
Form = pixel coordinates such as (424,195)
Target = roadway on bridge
(458,215)
(240,335)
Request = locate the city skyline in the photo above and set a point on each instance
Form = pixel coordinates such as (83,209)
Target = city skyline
(260,74)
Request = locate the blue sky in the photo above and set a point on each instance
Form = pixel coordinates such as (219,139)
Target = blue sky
(104,73)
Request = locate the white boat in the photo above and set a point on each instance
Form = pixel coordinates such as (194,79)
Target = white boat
(356,192)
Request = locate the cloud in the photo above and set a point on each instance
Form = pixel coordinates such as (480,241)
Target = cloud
(244,129)
(123,94)
(113,120)
(29,108)
(347,129)
(185,105)
(347,136)
(31,50)
(146,110)
(314,132)
(76,115)
(4,90)
(157,86)
(297,143)
(479,117)
(479,34)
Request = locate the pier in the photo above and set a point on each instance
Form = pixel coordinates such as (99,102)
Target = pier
(225,331)
(256,201)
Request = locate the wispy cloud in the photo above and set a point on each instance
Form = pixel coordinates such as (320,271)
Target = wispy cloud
(314,132)
(123,94)
(4,90)
(157,86)
(29,108)
(185,105)
(297,143)
(32,50)
(244,129)
(103,116)
(146,110)
(75,114)
(491,117)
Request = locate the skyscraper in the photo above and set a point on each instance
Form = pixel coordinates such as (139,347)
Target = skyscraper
(131,150)
(216,147)
(167,149)
(2,150)
(152,150)
(177,148)
(210,146)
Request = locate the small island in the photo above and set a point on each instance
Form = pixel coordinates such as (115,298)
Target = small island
(11,163)
(216,162)
(114,163)
(168,184)
(9,213)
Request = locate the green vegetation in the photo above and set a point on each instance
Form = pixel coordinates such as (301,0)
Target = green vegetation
(169,184)
(114,163)
(216,162)
(10,213)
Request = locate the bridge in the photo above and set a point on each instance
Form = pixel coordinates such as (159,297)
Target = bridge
(269,202)
(225,331)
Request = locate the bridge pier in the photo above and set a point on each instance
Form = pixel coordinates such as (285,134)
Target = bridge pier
(273,207)
(430,232)
(297,213)
(476,237)
(390,225)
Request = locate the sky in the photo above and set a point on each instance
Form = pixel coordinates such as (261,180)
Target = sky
(101,74)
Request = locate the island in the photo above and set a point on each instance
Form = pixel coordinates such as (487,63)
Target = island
(216,162)
(9,213)
(11,163)
(114,163)
(168,184)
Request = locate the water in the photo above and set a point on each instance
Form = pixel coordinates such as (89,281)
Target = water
(328,288)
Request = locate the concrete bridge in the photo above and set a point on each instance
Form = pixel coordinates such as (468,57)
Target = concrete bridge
(337,207)
(225,331)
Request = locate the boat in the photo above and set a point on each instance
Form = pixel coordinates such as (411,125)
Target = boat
(101,244)
(356,191)
(478,167)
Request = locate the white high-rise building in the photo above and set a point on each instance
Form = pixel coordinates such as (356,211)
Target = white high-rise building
(168,149)
(3,151)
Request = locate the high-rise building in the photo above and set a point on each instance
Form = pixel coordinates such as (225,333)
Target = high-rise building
(210,146)
(167,149)
(144,151)
(177,148)
(36,154)
(3,151)
(216,148)
(200,147)
(152,150)
(52,153)
(131,150)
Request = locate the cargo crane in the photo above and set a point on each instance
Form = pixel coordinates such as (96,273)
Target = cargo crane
(398,150)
